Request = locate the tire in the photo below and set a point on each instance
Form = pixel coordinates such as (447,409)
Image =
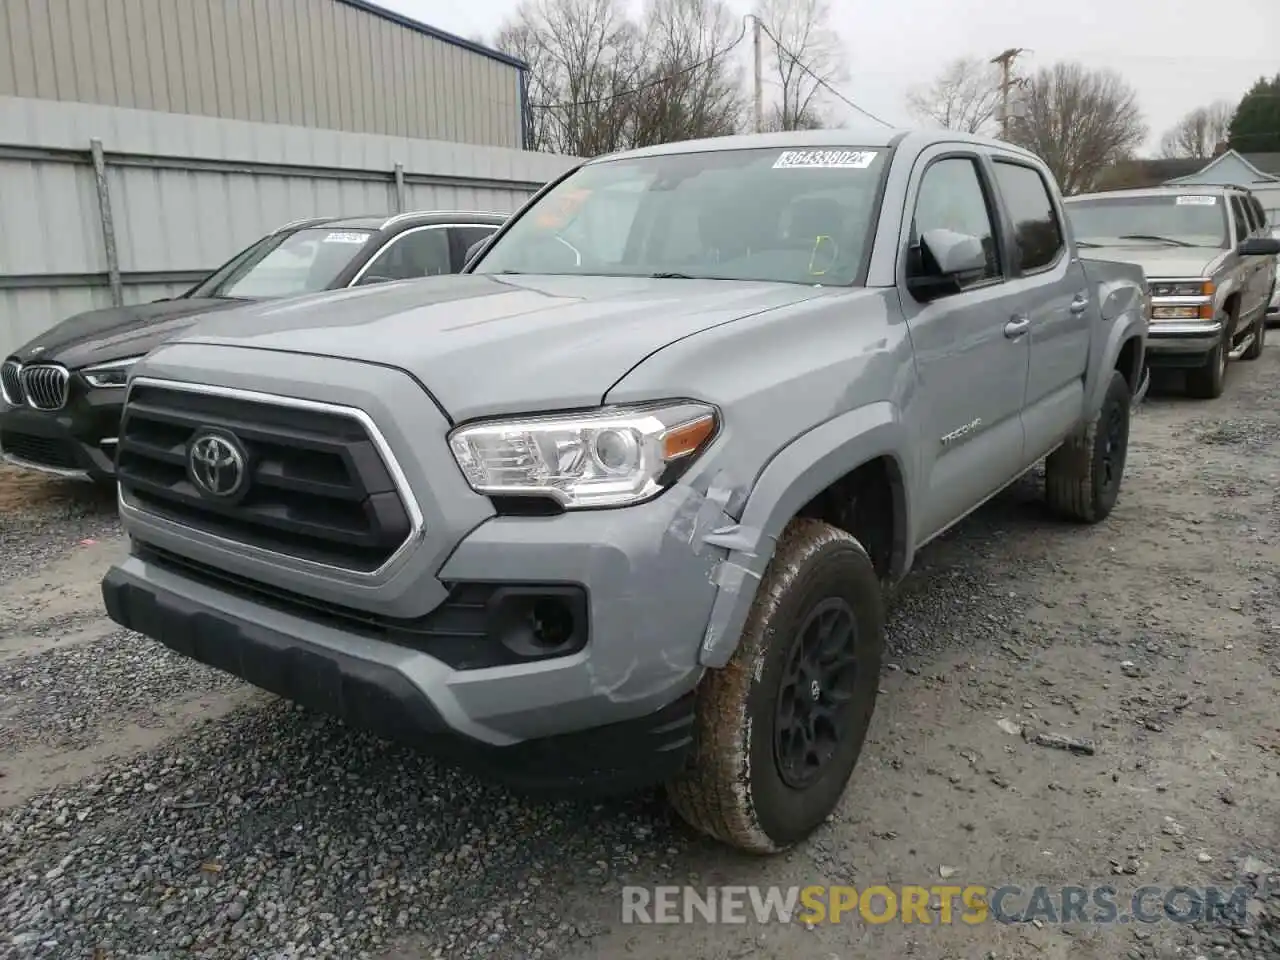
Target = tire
(1259,338)
(1083,476)
(1208,382)
(739,786)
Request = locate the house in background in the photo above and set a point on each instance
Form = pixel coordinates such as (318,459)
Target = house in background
(1260,172)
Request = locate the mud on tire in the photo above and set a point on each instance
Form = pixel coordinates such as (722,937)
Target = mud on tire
(1083,476)
(815,635)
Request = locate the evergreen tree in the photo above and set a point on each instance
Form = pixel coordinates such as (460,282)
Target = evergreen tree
(1255,128)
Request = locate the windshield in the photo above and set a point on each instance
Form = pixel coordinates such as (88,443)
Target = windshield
(1178,220)
(285,264)
(794,216)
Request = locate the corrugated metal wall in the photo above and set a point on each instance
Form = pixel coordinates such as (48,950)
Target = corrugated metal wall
(186,193)
(313,63)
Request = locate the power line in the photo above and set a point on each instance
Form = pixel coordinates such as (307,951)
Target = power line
(649,84)
(821,82)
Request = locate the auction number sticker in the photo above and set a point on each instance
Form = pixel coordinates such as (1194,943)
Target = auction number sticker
(346,238)
(1196,201)
(826,159)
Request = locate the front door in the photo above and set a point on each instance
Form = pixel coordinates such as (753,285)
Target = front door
(971,349)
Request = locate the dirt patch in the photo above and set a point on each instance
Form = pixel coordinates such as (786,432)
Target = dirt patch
(25,490)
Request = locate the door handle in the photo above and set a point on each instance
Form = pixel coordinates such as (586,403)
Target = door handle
(1017,327)
(1080,303)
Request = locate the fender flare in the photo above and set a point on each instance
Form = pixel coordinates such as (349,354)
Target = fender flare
(1126,326)
(795,475)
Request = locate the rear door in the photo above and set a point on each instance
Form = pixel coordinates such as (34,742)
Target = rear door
(1051,291)
(971,359)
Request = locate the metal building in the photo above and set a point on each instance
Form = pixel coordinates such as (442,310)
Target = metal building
(330,64)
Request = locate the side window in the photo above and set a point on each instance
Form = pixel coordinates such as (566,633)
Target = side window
(1260,213)
(1238,215)
(462,238)
(414,254)
(951,198)
(1037,234)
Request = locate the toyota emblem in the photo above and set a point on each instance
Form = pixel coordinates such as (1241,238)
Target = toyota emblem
(217,465)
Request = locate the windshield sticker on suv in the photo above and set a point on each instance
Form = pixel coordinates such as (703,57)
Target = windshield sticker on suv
(826,159)
(346,238)
(1196,201)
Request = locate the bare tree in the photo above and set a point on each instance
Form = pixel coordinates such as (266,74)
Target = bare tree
(692,86)
(584,57)
(807,54)
(964,96)
(1080,121)
(1198,134)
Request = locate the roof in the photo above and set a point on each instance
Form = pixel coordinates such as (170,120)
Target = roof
(851,137)
(1266,162)
(420,27)
(1246,159)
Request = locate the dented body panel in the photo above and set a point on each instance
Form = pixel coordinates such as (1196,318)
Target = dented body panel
(951,398)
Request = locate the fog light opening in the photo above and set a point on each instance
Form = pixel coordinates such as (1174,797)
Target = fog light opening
(551,622)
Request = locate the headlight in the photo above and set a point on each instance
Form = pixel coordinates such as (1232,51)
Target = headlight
(112,374)
(606,458)
(1182,288)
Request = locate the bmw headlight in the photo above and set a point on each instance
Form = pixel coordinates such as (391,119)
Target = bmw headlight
(610,457)
(114,373)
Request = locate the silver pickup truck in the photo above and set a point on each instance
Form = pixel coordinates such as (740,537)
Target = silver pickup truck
(616,505)
(1211,262)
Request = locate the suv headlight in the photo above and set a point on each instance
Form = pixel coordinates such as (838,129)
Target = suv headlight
(112,374)
(1182,288)
(612,457)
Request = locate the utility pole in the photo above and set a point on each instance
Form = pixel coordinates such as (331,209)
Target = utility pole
(1006,82)
(759,78)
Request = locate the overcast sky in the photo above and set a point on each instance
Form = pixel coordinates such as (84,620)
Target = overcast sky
(1178,54)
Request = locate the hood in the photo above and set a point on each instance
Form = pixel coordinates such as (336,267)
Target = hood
(489,344)
(1160,260)
(99,336)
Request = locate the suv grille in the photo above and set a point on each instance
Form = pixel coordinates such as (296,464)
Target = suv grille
(45,385)
(315,486)
(10,384)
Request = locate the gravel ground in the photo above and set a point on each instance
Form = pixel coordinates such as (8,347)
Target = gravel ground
(152,808)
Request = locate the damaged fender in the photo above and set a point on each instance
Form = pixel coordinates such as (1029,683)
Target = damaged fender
(798,473)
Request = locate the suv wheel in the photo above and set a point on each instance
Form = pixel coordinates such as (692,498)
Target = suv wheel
(780,727)
(1083,476)
(1208,382)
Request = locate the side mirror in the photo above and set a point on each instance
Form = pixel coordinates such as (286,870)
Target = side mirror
(473,251)
(946,258)
(1259,247)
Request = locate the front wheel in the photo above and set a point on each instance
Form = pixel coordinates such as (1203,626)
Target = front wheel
(781,725)
(1082,477)
(1208,382)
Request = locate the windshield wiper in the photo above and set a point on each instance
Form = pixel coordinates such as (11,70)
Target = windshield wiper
(1086,243)
(1152,236)
(671,276)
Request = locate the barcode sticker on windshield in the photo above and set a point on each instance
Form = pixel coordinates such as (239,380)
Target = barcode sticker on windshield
(1196,201)
(826,159)
(346,238)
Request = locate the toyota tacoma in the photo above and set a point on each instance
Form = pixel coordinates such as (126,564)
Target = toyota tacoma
(616,505)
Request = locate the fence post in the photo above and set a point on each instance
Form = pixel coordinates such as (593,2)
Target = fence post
(400,198)
(108,225)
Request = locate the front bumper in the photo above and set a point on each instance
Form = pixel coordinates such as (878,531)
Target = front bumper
(432,680)
(1182,343)
(75,443)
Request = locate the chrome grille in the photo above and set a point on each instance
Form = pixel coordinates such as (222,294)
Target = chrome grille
(45,385)
(10,385)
